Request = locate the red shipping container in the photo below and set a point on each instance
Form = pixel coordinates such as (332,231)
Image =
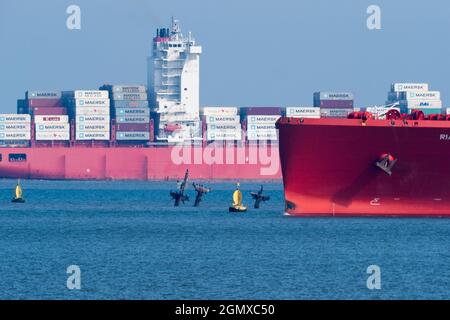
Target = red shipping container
(48,111)
(45,103)
(133,127)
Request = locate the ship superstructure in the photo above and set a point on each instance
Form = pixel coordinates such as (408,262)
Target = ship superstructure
(174,84)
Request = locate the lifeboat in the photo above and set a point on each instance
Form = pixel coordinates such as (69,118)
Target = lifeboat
(172,127)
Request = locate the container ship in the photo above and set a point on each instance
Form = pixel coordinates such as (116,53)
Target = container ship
(138,132)
(158,131)
(385,161)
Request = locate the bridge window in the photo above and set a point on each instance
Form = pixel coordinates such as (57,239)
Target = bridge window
(17,157)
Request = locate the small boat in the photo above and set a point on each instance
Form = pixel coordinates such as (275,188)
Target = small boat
(237,206)
(18,194)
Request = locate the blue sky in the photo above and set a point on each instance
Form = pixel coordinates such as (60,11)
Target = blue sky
(256,53)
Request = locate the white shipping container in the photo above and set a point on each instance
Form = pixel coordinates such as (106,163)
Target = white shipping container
(93,127)
(51,119)
(261,127)
(303,112)
(228,135)
(43,94)
(223,119)
(15,118)
(262,119)
(93,119)
(130,96)
(52,136)
(129,89)
(26,135)
(334,96)
(224,127)
(262,135)
(236,127)
(448,111)
(84,136)
(15,127)
(220,111)
(431,104)
(92,111)
(406,87)
(415,95)
(335,113)
(91,94)
(58,127)
(82,103)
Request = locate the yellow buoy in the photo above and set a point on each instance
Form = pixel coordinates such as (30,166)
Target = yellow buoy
(237,198)
(18,198)
(237,205)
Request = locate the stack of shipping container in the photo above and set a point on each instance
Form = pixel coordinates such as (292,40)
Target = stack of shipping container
(415,96)
(261,123)
(130,109)
(42,103)
(15,130)
(91,113)
(334,104)
(222,124)
(51,122)
(52,128)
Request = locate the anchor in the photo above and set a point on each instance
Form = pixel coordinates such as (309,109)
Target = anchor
(179,196)
(387,163)
(259,197)
(201,190)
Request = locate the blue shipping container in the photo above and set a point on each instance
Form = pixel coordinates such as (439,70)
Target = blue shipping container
(132,112)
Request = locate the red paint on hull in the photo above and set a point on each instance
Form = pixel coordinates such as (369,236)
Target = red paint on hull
(129,163)
(329,167)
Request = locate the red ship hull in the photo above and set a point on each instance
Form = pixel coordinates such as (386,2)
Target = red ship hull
(130,163)
(329,167)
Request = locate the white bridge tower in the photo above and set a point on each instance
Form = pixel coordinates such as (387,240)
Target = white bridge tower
(174,84)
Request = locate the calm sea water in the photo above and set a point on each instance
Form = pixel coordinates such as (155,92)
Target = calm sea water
(130,243)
